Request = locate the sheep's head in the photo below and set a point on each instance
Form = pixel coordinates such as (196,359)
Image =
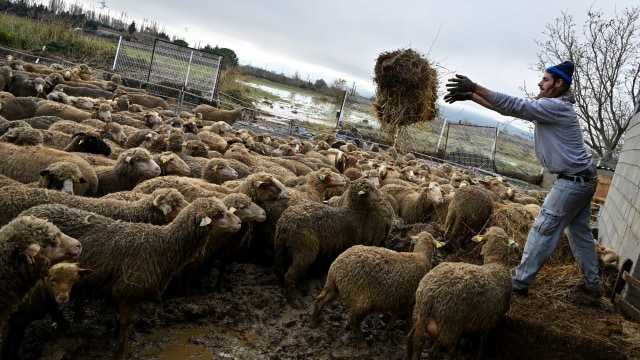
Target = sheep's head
(245,209)
(219,169)
(82,141)
(496,246)
(61,278)
(170,202)
(267,188)
(62,176)
(171,164)
(36,237)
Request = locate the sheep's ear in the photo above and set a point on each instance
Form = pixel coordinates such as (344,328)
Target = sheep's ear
(158,200)
(128,159)
(258,183)
(477,238)
(83,272)
(205,221)
(31,251)
(80,181)
(45,173)
(232,210)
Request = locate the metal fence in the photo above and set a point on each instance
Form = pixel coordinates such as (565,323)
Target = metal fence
(169,70)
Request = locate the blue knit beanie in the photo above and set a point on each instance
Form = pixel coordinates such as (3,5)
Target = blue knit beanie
(565,70)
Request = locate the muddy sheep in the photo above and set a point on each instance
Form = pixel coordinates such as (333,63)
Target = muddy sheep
(18,108)
(309,230)
(222,247)
(26,164)
(371,278)
(60,176)
(214,141)
(196,148)
(28,247)
(139,260)
(42,300)
(141,137)
(468,214)
(6,74)
(210,113)
(455,298)
(132,167)
(313,188)
(42,122)
(160,208)
(25,136)
(415,204)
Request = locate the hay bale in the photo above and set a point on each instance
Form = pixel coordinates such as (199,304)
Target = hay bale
(406,89)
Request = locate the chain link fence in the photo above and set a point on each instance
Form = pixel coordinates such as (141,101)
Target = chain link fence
(169,70)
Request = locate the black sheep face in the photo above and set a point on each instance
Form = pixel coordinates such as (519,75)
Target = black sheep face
(91,144)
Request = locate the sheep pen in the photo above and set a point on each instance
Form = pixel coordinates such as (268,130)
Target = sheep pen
(250,320)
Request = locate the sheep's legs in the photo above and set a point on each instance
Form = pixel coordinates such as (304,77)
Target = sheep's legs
(126,316)
(326,296)
(415,342)
(392,321)
(354,321)
(297,269)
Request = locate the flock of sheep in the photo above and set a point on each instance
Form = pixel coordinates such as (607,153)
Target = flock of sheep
(107,191)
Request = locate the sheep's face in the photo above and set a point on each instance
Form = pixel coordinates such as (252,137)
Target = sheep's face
(269,188)
(435,192)
(173,165)
(330,179)
(248,211)
(42,238)
(61,278)
(225,172)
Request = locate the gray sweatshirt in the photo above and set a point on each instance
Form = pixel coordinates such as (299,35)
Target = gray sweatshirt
(558,136)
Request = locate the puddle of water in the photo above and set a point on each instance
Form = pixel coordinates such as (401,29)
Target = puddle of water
(179,347)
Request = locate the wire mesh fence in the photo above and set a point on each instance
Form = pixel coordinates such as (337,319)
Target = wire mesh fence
(169,70)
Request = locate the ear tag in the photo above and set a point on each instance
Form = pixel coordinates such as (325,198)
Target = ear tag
(164,160)
(361,192)
(165,210)
(439,244)
(477,238)
(205,221)
(80,142)
(215,169)
(512,242)
(168,142)
(414,240)
(321,177)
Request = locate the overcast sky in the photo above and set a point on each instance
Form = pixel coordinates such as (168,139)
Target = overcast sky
(492,42)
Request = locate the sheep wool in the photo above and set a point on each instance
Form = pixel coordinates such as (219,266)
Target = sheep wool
(371,278)
(457,298)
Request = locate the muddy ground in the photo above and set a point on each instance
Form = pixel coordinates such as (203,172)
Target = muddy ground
(251,320)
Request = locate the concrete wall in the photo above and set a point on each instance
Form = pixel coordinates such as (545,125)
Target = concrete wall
(619,222)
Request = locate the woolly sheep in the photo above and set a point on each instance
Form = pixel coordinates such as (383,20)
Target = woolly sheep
(468,213)
(28,247)
(26,164)
(68,112)
(132,167)
(217,171)
(18,108)
(88,142)
(310,230)
(148,101)
(83,91)
(456,298)
(160,208)
(171,164)
(23,86)
(42,300)
(139,260)
(371,278)
(210,113)
(415,204)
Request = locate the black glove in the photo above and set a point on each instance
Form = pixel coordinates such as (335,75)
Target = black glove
(452,96)
(461,84)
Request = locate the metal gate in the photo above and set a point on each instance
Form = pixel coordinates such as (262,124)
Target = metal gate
(169,70)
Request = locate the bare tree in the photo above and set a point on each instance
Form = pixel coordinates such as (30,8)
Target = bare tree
(607,74)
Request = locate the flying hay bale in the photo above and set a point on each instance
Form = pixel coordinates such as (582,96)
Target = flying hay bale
(406,89)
